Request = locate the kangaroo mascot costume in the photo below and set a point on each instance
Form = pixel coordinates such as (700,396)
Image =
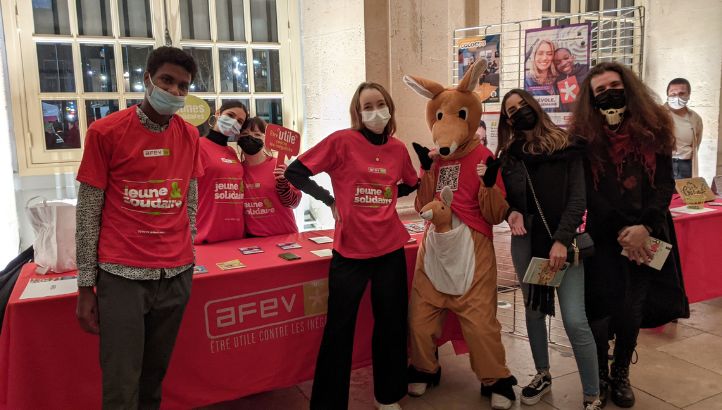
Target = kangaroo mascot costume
(456,270)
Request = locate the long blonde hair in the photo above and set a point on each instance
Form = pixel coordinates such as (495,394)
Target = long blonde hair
(547,137)
(534,71)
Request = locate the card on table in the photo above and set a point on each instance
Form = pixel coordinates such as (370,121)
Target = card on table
(288,245)
(289,256)
(230,265)
(321,239)
(250,250)
(198,269)
(323,253)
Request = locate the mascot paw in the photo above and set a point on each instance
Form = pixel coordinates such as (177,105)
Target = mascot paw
(492,169)
(423,154)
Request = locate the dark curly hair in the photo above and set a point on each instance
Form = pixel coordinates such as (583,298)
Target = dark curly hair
(171,55)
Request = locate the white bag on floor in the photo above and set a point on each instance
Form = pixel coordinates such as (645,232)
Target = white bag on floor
(54,226)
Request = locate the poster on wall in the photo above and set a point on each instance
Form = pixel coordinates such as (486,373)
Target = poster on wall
(472,49)
(491,121)
(556,61)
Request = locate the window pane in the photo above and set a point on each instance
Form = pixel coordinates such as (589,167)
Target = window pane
(134,18)
(263,21)
(195,20)
(134,58)
(234,70)
(266,71)
(563,22)
(609,5)
(546,23)
(55,67)
(98,68)
(627,3)
(546,5)
(94,17)
(229,20)
(132,102)
(563,6)
(60,122)
(204,80)
(97,109)
(592,5)
(51,17)
(270,110)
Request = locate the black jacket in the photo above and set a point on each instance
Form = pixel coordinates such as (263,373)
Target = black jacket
(614,203)
(558,181)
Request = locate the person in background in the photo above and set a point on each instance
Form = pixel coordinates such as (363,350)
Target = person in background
(135,226)
(365,164)
(628,168)
(220,189)
(687,129)
(269,198)
(535,152)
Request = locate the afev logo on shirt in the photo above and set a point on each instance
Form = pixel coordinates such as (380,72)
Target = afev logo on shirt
(158,152)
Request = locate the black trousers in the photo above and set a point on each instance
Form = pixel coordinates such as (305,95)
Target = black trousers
(347,282)
(623,315)
(139,321)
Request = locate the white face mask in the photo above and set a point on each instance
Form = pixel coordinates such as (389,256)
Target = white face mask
(676,103)
(163,102)
(376,120)
(228,126)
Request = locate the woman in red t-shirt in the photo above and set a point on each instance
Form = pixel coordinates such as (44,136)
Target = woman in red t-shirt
(220,189)
(365,164)
(269,198)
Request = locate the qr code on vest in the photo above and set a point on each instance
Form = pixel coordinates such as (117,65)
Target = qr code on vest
(448,176)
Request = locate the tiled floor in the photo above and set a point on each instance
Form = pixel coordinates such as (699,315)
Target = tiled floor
(679,367)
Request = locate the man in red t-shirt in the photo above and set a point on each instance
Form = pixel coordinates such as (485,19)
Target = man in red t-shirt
(135,222)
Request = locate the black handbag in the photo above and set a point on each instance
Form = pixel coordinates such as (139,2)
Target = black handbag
(582,245)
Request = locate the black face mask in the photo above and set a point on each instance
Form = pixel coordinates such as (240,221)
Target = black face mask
(523,119)
(613,98)
(250,145)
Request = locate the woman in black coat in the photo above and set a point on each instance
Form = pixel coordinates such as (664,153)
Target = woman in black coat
(629,184)
(532,148)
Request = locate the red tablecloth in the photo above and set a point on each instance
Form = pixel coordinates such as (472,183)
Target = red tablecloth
(244,331)
(699,238)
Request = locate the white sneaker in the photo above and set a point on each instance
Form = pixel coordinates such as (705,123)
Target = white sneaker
(499,402)
(392,406)
(417,389)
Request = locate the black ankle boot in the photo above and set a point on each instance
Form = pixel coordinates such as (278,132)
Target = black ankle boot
(622,393)
(603,386)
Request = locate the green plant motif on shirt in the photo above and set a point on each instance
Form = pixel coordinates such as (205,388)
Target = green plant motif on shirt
(388,193)
(175,191)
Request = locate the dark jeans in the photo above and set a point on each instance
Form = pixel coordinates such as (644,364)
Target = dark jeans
(139,322)
(347,282)
(682,168)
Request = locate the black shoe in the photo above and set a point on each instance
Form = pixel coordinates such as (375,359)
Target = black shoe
(540,385)
(603,386)
(502,393)
(419,381)
(622,393)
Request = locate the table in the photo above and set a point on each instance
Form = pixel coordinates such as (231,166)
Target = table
(244,331)
(699,237)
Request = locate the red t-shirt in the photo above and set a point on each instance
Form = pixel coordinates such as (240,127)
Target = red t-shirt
(220,194)
(264,212)
(364,178)
(460,175)
(145,177)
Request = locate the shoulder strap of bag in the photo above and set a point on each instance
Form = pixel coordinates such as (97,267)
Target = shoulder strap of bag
(536,201)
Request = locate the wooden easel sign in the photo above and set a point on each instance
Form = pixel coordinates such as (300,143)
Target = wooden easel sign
(689,187)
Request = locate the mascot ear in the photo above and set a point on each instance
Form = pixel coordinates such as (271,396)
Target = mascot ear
(423,87)
(471,77)
(447,195)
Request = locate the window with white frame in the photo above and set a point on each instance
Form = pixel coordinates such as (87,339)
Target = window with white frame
(614,26)
(76,61)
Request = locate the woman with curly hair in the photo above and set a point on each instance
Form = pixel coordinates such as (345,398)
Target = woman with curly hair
(628,168)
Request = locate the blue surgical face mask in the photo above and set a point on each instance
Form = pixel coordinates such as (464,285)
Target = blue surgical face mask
(228,126)
(163,102)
